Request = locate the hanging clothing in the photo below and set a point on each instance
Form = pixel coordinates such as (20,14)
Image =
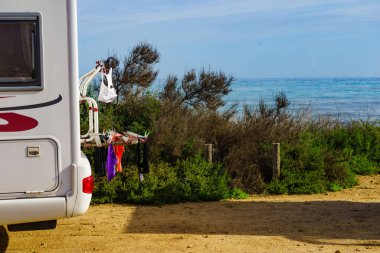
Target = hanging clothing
(145,163)
(119,150)
(111,163)
(107,93)
(100,159)
(142,166)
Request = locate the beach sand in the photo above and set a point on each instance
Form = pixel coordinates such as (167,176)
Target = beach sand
(346,221)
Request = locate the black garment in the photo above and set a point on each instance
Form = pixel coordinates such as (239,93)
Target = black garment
(142,166)
(100,159)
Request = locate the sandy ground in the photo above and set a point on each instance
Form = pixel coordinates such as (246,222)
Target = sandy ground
(347,221)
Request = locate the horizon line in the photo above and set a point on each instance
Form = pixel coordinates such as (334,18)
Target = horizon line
(310,77)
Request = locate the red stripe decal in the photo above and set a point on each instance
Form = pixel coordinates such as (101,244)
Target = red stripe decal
(17,122)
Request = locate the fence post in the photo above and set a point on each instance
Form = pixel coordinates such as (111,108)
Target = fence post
(276,160)
(209,152)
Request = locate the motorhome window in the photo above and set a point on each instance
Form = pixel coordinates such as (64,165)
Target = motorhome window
(19,52)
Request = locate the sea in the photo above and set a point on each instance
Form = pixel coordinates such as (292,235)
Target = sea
(346,99)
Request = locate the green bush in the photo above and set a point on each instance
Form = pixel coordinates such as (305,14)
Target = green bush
(317,162)
(159,186)
(193,179)
(360,165)
(320,159)
(334,187)
(200,180)
(276,187)
(360,143)
(237,193)
(305,182)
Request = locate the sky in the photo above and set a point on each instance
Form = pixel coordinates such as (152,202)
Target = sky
(243,38)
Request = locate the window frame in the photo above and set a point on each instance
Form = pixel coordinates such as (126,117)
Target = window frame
(38,83)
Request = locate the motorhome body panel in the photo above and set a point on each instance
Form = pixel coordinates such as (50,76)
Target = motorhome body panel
(46,114)
(29,157)
(50,120)
(38,209)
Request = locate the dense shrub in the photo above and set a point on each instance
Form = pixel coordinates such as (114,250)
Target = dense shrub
(327,158)
(360,143)
(311,166)
(360,164)
(200,180)
(189,180)
(316,156)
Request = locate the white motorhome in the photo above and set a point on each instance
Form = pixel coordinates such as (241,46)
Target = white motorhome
(43,175)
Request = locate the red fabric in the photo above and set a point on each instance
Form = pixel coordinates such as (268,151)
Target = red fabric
(17,122)
(119,150)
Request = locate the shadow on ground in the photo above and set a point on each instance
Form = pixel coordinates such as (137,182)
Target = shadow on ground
(311,221)
(4,239)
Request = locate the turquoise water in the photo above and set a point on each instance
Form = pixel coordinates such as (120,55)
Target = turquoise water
(345,98)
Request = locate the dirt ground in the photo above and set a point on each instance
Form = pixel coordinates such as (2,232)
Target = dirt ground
(347,221)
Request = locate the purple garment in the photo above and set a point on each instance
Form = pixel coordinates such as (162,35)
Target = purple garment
(111,163)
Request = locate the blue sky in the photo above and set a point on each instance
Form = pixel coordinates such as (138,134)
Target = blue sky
(245,38)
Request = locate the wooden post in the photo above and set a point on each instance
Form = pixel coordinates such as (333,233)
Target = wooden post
(276,160)
(209,152)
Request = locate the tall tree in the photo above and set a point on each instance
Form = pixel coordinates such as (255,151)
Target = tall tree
(137,71)
(204,90)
